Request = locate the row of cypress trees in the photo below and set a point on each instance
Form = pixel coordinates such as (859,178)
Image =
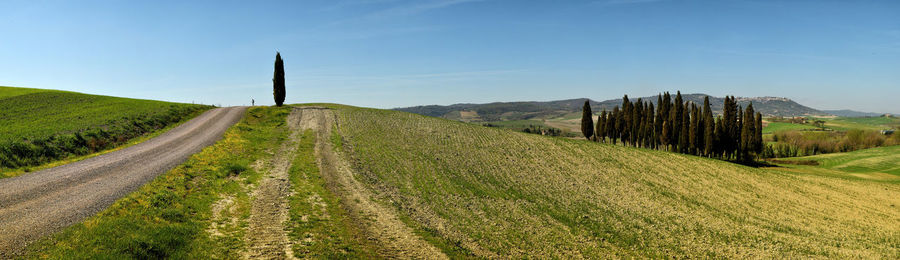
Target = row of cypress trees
(679,126)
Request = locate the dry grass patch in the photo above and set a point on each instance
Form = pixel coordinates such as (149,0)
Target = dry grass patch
(487,192)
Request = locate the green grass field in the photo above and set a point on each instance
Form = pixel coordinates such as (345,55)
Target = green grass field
(169,217)
(41,126)
(183,214)
(882,163)
(479,192)
(865,123)
(779,126)
(490,192)
(6,92)
(34,114)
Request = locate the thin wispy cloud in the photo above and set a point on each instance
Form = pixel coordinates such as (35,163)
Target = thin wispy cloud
(407,9)
(778,55)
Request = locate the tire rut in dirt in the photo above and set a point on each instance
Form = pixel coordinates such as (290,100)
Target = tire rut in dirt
(379,222)
(266,234)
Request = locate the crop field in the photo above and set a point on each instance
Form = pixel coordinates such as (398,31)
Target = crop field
(864,123)
(41,126)
(6,92)
(882,163)
(779,126)
(45,113)
(487,192)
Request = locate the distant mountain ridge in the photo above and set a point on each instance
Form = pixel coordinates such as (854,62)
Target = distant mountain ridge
(499,111)
(852,113)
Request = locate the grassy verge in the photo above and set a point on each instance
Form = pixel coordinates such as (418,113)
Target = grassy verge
(318,224)
(43,126)
(170,216)
(12,172)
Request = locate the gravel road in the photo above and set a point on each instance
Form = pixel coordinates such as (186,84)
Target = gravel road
(40,203)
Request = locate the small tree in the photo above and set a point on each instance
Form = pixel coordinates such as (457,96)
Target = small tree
(278,80)
(587,122)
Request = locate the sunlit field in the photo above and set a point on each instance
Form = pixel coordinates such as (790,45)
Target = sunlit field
(489,192)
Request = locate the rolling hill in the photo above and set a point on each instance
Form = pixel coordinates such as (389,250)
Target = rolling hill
(851,113)
(478,192)
(504,111)
(488,192)
(39,126)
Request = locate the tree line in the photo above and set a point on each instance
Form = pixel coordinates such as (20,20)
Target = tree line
(679,126)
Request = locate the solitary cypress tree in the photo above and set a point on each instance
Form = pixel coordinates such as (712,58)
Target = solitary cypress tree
(278,80)
(587,121)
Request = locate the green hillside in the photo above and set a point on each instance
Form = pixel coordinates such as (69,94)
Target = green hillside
(876,163)
(865,123)
(39,126)
(490,192)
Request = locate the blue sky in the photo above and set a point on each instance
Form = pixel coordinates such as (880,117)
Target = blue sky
(393,53)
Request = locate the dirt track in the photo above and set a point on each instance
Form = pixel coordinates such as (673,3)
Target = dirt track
(40,203)
(266,234)
(379,222)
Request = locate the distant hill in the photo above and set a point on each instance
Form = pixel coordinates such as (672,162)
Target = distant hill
(499,111)
(851,113)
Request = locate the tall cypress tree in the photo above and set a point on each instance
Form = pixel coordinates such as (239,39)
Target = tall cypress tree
(278,80)
(599,133)
(636,112)
(684,135)
(626,121)
(648,125)
(611,125)
(666,116)
(618,124)
(748,132)
(758,140)
(587,120)
(657,124)
(694,135)
(720,143)
(677,120)
(710,128)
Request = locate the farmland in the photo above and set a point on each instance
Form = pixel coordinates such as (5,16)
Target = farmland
(41,126)
(482,192)
(490,192)
(882,163)
(864,123)
(772,127)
